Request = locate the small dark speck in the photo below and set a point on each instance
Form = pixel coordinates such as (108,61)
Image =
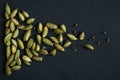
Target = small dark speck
(108,40)
(98,42)
(75,25)
(104,32)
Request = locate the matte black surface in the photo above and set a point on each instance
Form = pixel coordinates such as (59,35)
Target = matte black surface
(93,17)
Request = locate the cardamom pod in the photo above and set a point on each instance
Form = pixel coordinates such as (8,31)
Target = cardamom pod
(25,14)
(27,35)
(7,37)
(53,52)
(51,25)
(40,27)
(82,36)
(13,13)
(38,38)
(44,32)
(58,31)
(67,44)
(71,37)
(43,52)
(20,43)
(47,41)
(88,46)
(30,20)
(54,39)
(15,21)
(30,43)
(7,9)
(29,53)
(60,38)
(63,27)
(59,47)
(37,58)
(21,17)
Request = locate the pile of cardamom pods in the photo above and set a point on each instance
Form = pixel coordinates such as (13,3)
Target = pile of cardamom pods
(32,48)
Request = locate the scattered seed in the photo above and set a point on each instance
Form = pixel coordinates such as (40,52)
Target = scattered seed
(26,58)
(8,43)
(8,71)
(37,48)
(30,20)
(20,26)
(60,38)
(54,39)
(29,53)
(13,13)
(47,41)
(51,25)
(63,27)
(7,37)
(37,58)
(15,33)
(18,60)
(43,52)
(35,53)
(15,21)
(17,54)
(8,52)
(13,49)
(38,38)
(88,46)
(20,44)
(53,52)
(58,31)
(7,9)
(34,45)
(12,26)
(27,63)
(21,16)
(7,24)
(7,16)
(67,44)
(59,47)
(30,43)
(25,14)
(28,27)
(13,63)
(16,67)
(10,59)
(27,35)
(71,37)
(40,27)
(44,32)
(14,42)
(82,36)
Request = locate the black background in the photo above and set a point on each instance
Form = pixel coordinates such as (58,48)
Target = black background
(93,17)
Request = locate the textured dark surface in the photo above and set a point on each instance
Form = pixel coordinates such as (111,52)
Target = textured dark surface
(93,17)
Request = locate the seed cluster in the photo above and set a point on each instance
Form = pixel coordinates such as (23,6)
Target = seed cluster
(33,48)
